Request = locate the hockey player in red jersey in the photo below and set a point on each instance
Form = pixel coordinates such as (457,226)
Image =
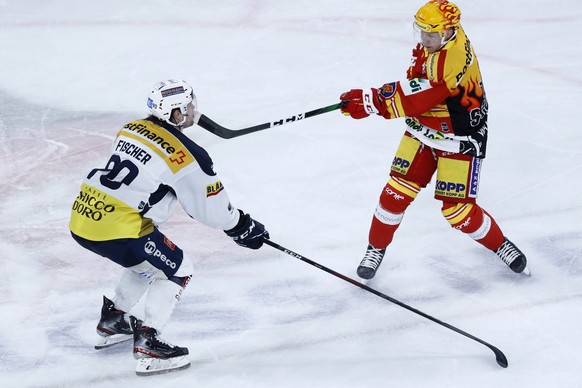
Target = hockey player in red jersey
(152,166)
(444,106)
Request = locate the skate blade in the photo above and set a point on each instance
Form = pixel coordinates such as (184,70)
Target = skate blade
(112,340)
(157,366)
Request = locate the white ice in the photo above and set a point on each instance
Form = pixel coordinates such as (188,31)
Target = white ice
(72,73)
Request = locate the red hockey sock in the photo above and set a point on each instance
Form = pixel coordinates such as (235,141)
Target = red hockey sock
(471,219)
(395,198)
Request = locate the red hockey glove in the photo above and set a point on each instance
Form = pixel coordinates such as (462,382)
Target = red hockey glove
(361,104)
(417,62)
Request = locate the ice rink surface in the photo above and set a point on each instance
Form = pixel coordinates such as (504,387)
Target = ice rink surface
(73,73)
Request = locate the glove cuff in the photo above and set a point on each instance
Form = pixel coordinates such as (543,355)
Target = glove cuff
(241,226)
(368,99)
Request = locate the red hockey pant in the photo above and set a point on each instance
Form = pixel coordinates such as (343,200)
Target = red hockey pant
(456,186)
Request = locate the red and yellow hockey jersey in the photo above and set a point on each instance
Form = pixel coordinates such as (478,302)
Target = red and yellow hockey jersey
(443,98)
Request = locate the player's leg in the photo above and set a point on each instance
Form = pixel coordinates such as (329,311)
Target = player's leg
(412,167)
(394,199)
(114,325)
(457,185)
(170,273)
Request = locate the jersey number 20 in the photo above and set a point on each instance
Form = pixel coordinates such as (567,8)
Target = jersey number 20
(117,172)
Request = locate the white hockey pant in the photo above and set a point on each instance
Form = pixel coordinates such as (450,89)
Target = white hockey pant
(161,294)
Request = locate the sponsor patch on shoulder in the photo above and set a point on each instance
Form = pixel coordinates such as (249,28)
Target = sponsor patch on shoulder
(388,90)
(214,188)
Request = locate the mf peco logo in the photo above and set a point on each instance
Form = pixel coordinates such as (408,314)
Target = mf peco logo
(151,249)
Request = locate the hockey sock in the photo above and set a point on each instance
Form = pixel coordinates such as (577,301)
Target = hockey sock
(395,198)
(129,290)
(471,219)
(161,299)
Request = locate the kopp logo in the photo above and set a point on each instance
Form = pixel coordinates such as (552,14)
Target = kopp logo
(400,164)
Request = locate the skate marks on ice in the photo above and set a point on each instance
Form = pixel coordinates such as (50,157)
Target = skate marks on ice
(40,142)
(294,315)
(273,304)
(293,312)
(562,251)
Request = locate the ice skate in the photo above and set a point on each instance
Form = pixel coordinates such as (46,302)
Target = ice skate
(113,326)
(155,355)
(513,257)
(371,261)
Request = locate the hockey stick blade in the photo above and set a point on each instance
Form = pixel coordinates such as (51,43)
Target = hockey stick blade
(226,133)
(499,356)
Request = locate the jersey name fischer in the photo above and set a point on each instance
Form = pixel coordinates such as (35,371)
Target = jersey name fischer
(132,150)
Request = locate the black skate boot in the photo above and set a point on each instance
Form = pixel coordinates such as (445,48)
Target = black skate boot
(371,261)
(154,354)
(513,257)
(113,326)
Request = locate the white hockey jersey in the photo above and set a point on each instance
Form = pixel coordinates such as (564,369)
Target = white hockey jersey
(152,166)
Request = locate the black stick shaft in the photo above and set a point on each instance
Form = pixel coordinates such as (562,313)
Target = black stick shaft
(226,133)
(499,356)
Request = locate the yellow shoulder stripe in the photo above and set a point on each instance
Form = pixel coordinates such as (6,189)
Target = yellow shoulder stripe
(163,143)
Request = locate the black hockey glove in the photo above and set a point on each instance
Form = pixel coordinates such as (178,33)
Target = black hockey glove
(248,233)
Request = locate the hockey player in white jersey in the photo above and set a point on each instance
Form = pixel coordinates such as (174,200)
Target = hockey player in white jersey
(152,166)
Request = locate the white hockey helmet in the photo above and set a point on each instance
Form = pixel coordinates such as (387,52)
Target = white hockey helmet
(168,95)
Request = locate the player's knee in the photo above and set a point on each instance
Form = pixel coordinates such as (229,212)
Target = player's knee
(181,281)
(183,274)
(398,194)
(462,216)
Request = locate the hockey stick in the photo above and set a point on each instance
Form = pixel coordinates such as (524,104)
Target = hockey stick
(499,356)
(226,133)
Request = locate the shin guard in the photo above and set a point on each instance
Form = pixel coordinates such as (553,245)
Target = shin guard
(161,299)
(397,195)
(130,288)
(472,220)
